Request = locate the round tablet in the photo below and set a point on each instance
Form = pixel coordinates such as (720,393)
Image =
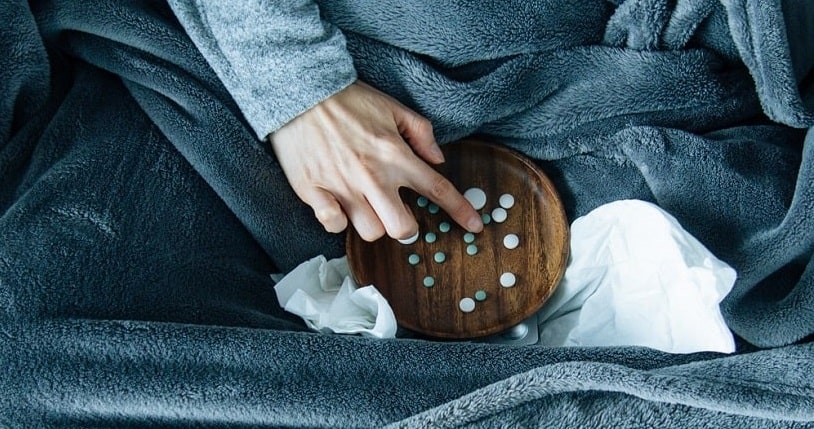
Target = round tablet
(511,241)
(433,208)
(467,305)
(499,214)
(410,240)
(507,279)
(480,295)
(429,281)
(414,259)
(444,227)
(422,201)
(506,201)
(430,237)
(486,218)
(471,250)
(439,257)
(469,237)
(476,197)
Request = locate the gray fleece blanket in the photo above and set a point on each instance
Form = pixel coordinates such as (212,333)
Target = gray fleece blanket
(140,217)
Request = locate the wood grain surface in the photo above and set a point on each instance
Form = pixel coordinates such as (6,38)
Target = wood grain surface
(537,218)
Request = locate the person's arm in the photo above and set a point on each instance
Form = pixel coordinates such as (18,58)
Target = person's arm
(276,58)
(345,147)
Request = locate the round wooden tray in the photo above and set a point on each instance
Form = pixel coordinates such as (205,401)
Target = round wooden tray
(538,263)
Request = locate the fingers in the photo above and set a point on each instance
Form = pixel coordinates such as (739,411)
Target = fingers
(327,210)
(334,210)
(364,219)
(397,220)
(437,188)
(417,131)
(380,209)
(377,209)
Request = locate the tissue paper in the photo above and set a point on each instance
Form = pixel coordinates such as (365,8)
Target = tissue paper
(636,277)
(325,296)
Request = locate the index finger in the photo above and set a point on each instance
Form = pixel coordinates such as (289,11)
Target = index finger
(441,191)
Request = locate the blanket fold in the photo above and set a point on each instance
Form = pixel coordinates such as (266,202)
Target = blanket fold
(140,217)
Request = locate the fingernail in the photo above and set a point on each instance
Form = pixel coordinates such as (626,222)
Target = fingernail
(474,224)
(436,152)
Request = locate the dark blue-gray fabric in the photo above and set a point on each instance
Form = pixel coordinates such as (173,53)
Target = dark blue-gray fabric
(140,216)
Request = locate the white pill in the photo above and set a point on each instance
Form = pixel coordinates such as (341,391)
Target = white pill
(467,305)
(476,197)
(511,241)
(506,201)
(410,240)
(499,214)
(507,279)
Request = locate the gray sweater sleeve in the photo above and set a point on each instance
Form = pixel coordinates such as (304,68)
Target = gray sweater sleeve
(276,58)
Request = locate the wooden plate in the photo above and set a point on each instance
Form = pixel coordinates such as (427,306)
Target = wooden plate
(538,262)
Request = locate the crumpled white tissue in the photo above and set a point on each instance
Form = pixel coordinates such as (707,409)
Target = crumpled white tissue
(636,277)
(325,296)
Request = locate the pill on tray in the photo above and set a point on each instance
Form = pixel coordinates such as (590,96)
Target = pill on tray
(429,281)
(499,214)
(480,295)
(507,279)
(430,237)
(471,250)
(423,201)
(414,259)
(511,241)
(469,237)
(433,208)
(467,305)
(444,227)
(476,197)
(506,201)
(486,218)
(440,257)
(410,240)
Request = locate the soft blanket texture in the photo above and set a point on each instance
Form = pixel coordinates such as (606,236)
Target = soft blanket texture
(140,217)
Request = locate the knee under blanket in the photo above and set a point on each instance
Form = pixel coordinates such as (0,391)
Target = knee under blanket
(140,218)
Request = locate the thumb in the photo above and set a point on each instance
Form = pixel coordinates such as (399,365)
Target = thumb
(417,131)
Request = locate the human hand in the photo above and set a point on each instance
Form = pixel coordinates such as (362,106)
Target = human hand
(348,156)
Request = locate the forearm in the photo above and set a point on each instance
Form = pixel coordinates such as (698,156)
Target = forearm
(276,58)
